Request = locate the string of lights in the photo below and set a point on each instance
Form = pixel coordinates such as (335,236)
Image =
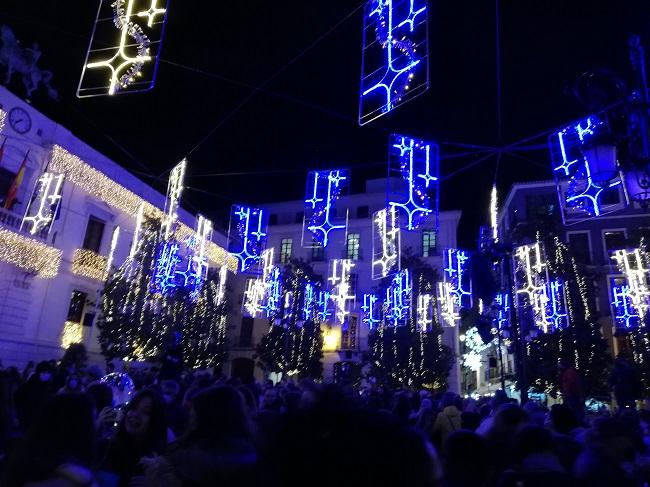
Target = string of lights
(29,254)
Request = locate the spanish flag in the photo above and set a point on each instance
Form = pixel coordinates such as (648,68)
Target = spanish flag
(15,185)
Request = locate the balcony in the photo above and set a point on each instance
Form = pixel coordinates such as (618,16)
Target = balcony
(12,221)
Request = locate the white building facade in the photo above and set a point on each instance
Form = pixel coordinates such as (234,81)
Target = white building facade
(50,282)
(285,236)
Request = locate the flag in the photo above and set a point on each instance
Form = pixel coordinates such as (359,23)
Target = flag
(15,185)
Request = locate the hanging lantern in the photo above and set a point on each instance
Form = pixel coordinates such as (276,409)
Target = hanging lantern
(601,157)
(637,184)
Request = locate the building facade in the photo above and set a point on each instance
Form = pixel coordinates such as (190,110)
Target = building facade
(51,280)
(532,207)
(285,236)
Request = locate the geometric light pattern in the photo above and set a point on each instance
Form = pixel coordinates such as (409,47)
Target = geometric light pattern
(475,346)
(310,303)
(29,254)
(371,309)
(195,270)
(417,164)
(626,316)
(174,190)
(385,244)
(425,312)
(247,234)
(502,301)
(341,293)
(397,305)
(323,304)
(395,66)
(168,259)
(531,282)
(634,264)
(323,190)
(555,315)
(457,275)
(44,203)
(578,184)
(124,48)
(263,292)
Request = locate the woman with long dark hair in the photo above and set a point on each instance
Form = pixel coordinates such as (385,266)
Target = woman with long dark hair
(141,432)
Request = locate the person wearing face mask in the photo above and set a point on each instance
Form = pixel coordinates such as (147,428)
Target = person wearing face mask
(142,432)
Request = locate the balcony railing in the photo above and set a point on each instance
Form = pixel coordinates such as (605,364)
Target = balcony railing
(12,220)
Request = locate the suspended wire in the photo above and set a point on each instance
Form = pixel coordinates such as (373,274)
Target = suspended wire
(498,72)
(259,87)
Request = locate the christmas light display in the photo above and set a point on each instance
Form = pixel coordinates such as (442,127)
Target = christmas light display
(494,214)
(457,276)
(247,234)
(554,315)
(136,231)
(72,333)
(634,264)
(386,245)
(263,293)
(502,302)
(104,189)
(168,259)
(532,282)
(221,289)
(323,306)
(111,252)
(475,347)
(44,203)
(310,306)
(196,263)
(417,164)
(324,188)
(124,48)
(28,254)
(87,263)
(397,304)
(371,309)
(395,56)
(626,316)
(342,294)
(3,118)
(582,184)
(172,201)
(425,312)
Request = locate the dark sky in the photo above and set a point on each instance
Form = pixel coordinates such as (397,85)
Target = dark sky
(306,117)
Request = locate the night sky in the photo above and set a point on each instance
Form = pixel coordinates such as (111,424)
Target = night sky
(216,53)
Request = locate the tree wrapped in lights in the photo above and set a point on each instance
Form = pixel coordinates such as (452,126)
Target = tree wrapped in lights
(581,342)
(293,345)
(136,322)
(413,354)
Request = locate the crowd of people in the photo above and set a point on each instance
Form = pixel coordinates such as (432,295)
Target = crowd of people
(61,425)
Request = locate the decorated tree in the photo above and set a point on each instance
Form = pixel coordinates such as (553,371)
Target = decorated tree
(581,343)
(136,322)
(293,345)
(409,355)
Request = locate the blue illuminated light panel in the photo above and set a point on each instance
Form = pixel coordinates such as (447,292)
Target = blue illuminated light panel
(386,243)
(503,313)
(166,264)
(578,190)
(395,65)
(324,188)
(323,306)
(457,277)
(371,309)
(417,164)
(273,296)
(556,316)
(247,234)
(398,299)
(310,302)
(626,316)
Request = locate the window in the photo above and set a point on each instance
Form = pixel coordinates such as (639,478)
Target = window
(246,332)
(317,251)
(610,197)
(540,206)
(352,250)
(273,219)
(428,243)
(614,240)
(580,244)
(285,250)
(94,234)
(300,216)
(349,334)
(363,212)
(76,308)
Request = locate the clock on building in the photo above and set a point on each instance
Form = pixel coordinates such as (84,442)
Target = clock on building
(20,120)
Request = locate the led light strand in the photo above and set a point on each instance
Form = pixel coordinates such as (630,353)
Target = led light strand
(386,243)
(87,263)
(473,358)
(29,254)
(247,235)
(342,294)
(425,312)
(635,266)
(494,214)
(72,333)
(398,299)
(172,201)
(531,282)
(416,162)
(371,309)
(626,316)
(111,253)
(44,203)
(323,190)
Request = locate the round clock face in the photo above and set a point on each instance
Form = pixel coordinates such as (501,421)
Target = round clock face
(20,120)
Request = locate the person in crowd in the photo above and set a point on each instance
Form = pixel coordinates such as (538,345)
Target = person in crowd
(500,397)
(402,407)
(448,420)
(217,448)
(470,417)
(141,432)
(625,383)
(8,418)
(571,388)
(461,469)
(271,400)
(33,394)
(58,449)
(500,437)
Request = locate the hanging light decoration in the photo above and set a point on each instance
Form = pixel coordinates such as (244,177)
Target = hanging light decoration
(386,243)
